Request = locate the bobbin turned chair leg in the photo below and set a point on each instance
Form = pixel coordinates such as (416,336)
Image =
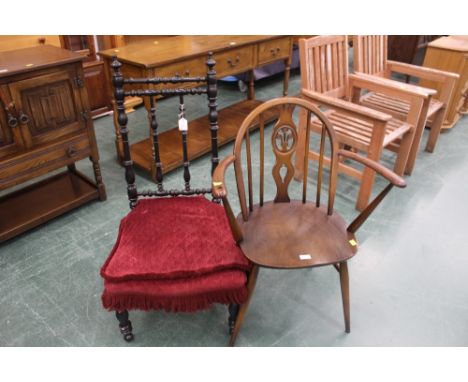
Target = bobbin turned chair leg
(125,325)
(233,313)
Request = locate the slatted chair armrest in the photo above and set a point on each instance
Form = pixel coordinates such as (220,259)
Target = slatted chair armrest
(218,184)
(380,84)
(431,74)
(336,103)
(377,167)
(393,178)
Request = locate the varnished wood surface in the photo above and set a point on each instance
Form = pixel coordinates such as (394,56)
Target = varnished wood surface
(185,56)
(278,233)
(173,49)
(12,42)
(199,139)
(450,54)
(35,204)
(26,59)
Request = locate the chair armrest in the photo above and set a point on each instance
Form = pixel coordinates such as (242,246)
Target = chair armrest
(421,71)
(218,184)
(380,84)
(393,178)
(357,110)
(377,167)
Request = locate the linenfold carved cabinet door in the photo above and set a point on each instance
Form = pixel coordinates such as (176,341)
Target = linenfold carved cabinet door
(49,106)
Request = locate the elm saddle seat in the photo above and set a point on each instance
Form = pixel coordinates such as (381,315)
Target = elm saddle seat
(175,249)
(285,233)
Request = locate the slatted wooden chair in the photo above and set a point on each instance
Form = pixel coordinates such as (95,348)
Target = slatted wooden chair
(175,249)
(326,82)
(286,233)
(370,57)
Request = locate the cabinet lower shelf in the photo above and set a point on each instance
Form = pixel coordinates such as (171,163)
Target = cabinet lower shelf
(33,205)
(199,139)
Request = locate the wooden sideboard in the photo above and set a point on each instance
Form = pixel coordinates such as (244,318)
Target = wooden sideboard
(45,125)
(450,54)
(186,56)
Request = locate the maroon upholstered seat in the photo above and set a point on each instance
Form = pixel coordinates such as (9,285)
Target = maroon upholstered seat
(176,254)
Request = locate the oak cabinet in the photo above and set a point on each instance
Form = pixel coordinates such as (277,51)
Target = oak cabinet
(45,125)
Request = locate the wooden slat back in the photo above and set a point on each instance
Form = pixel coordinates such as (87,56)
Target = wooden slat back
(370,54)
(284,139)
(324,64)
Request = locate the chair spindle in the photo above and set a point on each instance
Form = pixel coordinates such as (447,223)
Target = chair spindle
(119,95)
(262,157)
(212,92)
(156,154)
(183,130)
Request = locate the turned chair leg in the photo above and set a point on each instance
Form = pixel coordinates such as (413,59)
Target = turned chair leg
(233,313)
(344,281)
(125,325)
(243,308)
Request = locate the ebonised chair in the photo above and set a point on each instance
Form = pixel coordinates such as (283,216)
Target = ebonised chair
(175,249)
(286,233)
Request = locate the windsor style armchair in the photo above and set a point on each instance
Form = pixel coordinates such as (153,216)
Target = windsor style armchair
(287,233)
(370,57)
(326,82)
(175,249)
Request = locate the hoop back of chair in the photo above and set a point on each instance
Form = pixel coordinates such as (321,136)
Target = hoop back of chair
(120,93)
(324,64)
(370,54)
(284,141)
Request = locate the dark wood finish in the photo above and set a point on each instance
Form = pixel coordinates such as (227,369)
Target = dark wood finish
(125,325)
(370,57)
(326,82)
(95,78)
(184,55)
(208,125)
(285,233)
(46,125)
(344,282)
(42,201)
(171,156)
(119,82)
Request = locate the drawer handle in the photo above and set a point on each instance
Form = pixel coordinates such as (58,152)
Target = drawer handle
(23,118)
(71,151)
(233,64)
(186,73)
(275,52)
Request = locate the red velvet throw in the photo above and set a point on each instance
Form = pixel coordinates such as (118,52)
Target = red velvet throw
(176,254)
(184,295)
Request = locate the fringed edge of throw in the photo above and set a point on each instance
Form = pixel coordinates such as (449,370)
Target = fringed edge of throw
(122,302)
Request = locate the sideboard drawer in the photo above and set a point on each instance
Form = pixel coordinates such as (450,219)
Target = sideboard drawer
(234,61)
(43,160)
(273,50)
(191,68)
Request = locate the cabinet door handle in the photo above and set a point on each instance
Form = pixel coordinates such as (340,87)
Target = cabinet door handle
(71,151)
(23,118)
(233,64)
(12,121)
